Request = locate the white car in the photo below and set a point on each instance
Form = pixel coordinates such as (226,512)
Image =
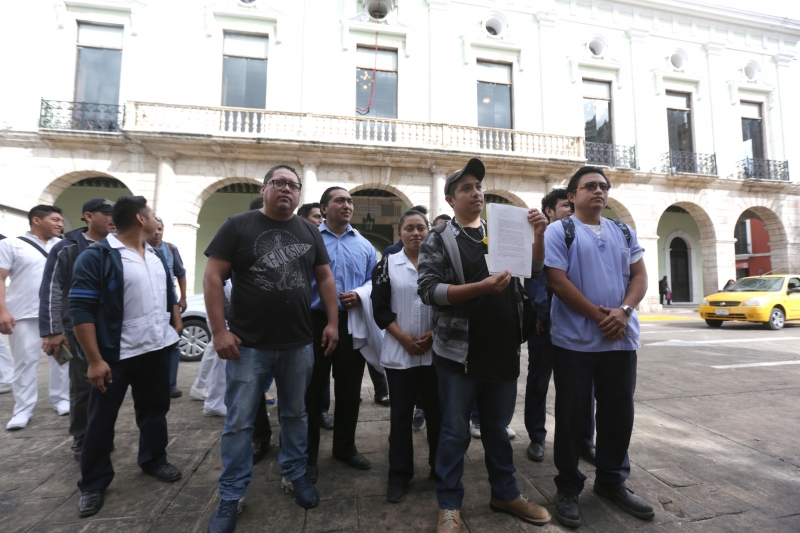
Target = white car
(196,333)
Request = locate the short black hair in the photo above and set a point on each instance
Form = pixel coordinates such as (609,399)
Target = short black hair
(125,210)
(409,213)
(419,208)
(576,178)
(305,209)
(41,211)
(443,216)
(257,203)
(551,200)
(271,171)
(326,196)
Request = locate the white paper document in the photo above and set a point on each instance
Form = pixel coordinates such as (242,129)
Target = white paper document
(510,240)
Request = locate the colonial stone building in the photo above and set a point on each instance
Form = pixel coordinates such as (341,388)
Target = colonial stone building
(692,109)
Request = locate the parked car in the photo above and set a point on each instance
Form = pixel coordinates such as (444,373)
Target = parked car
(770,300)
(196,333)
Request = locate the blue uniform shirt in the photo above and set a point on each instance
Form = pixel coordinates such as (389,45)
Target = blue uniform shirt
(352,260)
(600,268)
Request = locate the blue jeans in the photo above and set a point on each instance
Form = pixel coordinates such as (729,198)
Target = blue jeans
(245,379)
(496,401)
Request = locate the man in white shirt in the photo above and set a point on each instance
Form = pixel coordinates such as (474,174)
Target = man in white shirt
(121,303)
(23,260)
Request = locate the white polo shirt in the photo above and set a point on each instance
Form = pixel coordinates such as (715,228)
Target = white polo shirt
(145,321)
(26,268)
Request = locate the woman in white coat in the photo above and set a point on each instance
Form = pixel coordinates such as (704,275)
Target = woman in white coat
(406,353)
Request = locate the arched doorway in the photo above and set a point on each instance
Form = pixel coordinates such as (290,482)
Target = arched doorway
(71,199)
(375,215)
(680,270)
(679,252)
(761,245)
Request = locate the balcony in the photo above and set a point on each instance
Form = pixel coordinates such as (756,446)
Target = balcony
(762,169)
(689,162)
(82,116)
(611,155)
(141,117)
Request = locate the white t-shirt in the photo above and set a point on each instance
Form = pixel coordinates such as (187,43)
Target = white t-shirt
(26,268)
(145,321)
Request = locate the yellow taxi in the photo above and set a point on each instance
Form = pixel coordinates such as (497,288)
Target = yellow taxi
(771,300)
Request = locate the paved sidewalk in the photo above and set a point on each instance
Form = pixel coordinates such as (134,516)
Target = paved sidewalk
(701,475)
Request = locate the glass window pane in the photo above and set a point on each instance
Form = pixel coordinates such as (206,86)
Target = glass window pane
(384,97)
(241,45)
(385,59)
(753,139)
(751,109)
(596,89)
(98,72)
(244,82)
(597,119)
(494,105)
(97,35)
(680,130)
(678,100)
(494,72)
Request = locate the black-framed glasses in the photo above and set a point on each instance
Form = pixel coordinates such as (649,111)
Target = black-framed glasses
(593,185)
(281,184)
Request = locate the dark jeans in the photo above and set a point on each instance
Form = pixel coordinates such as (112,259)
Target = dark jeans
(348,370)
(404,386)
(496,401)
(326,396)
(378,383)
(614,376)
(175,358)
(148,377)
(79,387)
(262,432)
(540,368)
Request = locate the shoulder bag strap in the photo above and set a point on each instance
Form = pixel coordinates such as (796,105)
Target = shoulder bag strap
(41,250)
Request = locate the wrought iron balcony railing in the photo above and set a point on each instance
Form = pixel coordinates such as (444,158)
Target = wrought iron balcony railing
(689,162)
(611,155)
(762,169)
(81,116)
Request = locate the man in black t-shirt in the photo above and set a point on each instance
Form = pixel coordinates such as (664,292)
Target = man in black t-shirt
(477,334)
(270,254)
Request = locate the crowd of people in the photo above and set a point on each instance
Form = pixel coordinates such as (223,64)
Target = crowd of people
(298,298)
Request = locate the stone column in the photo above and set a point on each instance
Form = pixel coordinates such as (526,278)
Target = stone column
(786,81)
(165,177)
(438,204)
(719,263)
(184,236)
(645,103)
(309,193)
(650,303)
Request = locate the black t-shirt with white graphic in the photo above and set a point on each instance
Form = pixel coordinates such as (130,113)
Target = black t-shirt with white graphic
(271,265)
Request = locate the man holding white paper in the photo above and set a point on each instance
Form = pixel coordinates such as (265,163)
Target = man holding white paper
(477,334)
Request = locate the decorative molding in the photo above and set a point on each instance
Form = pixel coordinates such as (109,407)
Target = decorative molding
(743,84)
(714,48)
(547,19)
(593,62)
(363,22)
(783,59)
(440,5)
(132,8)
(638,35)
(235,9)
(504,44)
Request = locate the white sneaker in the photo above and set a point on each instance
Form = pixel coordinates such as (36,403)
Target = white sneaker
(5,387)
(62,407)
(211,412)
(196,393)
(475,431)
(19,421)
(511,432)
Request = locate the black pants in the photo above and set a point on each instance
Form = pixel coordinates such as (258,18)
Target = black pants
(262,432)
(404,385)
(148,377)
(540,368)
(79,387)
(348,370)
(614,376)
(378,383)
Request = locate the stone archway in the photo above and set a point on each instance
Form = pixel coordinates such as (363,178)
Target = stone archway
(511,198)
(776,245)
(622,212)
(382,187)
(56,187)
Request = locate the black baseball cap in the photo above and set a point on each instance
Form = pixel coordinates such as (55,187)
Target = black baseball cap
(97,204)
(474,167)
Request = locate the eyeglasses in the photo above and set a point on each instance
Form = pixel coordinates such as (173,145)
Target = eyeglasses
(281,184)
(593,185)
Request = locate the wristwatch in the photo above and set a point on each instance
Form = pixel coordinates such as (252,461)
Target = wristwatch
(627,308)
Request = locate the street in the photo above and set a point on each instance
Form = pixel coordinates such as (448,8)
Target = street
(714,449)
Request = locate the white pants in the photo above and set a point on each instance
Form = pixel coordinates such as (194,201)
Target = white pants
(26,347)
(216,383)
(206,366)
(6,364)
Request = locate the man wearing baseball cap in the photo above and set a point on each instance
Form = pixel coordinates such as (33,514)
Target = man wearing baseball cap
(55,325)
(477,334)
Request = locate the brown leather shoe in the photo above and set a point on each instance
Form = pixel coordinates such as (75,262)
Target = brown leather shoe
(449,521)
(523,509)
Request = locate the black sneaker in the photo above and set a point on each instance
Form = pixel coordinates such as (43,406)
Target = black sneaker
(305,494)
(568,512)
(418,423)
(175,392)
(627,501)
(224,518)
(535,451)
(395,493)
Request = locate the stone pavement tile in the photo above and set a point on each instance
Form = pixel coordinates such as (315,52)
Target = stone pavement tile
(792,522)
(189,439)
(20,515)
(334,515)
(751,521)
(60,485)
(715,499)
(192,499)
(417,512)
(673,527)
(22,474)
(337,480)
(532,469)
(478,492)
(489,523)
(128,525)
(176,523)
(63,528)
(267,508)
(675,477)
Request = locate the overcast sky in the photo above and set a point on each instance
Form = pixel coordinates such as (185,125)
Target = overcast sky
(778,8)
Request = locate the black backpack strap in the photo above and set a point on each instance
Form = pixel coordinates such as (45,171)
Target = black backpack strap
(569,230)
(41,250)
(624,228)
